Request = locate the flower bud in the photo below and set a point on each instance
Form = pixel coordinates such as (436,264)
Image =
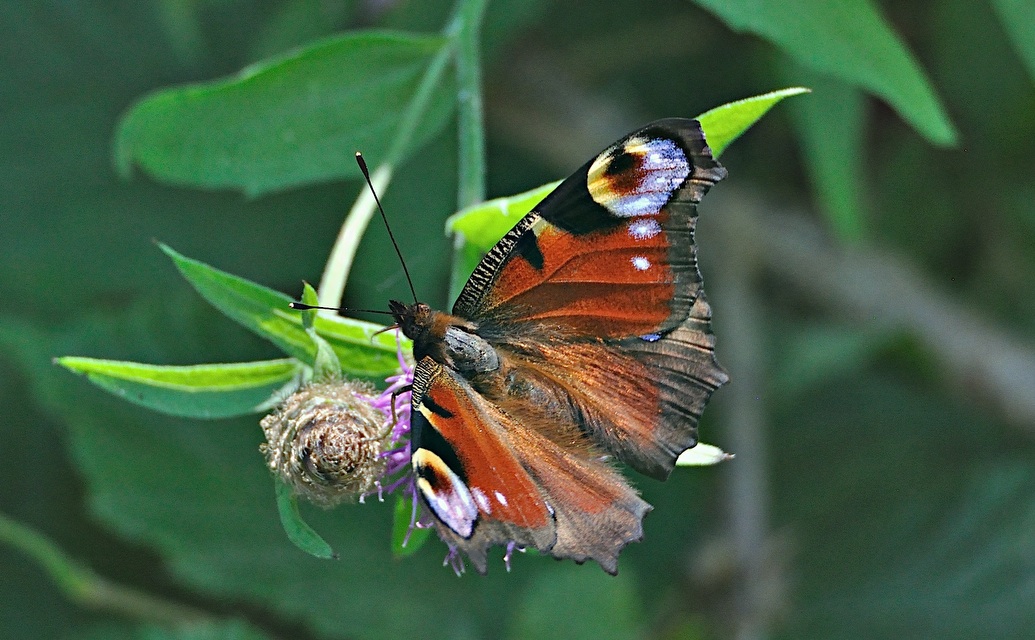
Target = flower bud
(326,441)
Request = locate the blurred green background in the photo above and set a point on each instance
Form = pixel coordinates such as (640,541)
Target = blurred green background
(870,260)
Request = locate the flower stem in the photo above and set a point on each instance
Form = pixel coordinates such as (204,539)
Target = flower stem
(470,113)
(85,588)
(339,263)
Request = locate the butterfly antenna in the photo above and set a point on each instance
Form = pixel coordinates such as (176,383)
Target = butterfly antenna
(301,306)
(366,174)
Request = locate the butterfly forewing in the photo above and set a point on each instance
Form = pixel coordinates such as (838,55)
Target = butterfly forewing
(610,252)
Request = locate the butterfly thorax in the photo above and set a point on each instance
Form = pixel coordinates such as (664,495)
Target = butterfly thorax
(449,340)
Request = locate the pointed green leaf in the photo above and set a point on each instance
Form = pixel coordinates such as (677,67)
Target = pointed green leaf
(831,128)
(266,313)
(477,228)
(196,391)
(851,40)
(298,532)
(326,365)
(406,541)
(288,121)
(1018,18)
(724,124)
(309,297)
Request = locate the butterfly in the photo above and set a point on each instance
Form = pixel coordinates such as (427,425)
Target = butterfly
(581,338)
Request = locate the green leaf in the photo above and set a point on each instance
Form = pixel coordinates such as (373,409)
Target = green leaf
(477,228)
(326,365)
(1018,18)
(406,541)
(197,391)
(724,124)
(288,121)
(851,40)
(266,313)
(298,532)
(831,125)
(485,223)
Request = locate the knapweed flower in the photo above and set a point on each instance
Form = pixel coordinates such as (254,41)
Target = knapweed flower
(336,440)
(326,441)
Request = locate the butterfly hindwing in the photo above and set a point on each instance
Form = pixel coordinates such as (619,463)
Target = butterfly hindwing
(681,366)
(465,469)
(638,400)
(490,480)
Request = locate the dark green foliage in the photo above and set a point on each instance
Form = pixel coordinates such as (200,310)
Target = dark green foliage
(899,498)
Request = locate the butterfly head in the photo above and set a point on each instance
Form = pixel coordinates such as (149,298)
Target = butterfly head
(415,320)
(446,339)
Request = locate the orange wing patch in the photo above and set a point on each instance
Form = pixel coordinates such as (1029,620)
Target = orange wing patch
(615,282)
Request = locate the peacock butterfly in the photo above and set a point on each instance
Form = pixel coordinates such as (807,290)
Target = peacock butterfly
(581,338)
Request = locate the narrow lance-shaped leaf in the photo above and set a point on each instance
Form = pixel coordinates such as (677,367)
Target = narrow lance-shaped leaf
(266,313)
(298,532)
(724,124)
(850,40)
(196,391)
(288,121)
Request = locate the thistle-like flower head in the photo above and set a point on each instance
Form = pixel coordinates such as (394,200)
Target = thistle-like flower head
(326,441)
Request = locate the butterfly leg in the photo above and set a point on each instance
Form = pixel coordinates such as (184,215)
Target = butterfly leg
(395,394)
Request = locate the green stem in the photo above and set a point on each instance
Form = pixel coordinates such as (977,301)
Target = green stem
(82,586)
(339,263)
(470,114)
